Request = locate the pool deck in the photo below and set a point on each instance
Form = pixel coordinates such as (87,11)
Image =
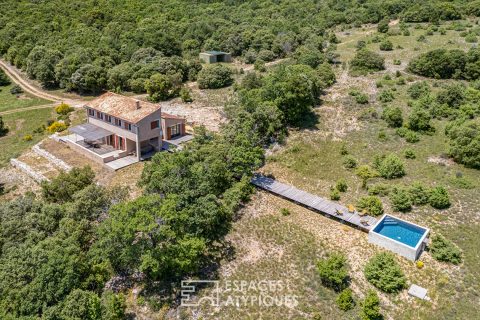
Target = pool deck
(313,202)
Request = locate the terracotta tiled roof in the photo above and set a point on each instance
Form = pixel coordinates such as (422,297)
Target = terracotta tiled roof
(171,116)
(122,107)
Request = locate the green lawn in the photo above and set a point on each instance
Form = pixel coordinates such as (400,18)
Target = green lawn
(10,101)
(19,125)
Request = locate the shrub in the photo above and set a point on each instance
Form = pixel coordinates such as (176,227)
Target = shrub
(386,96)
(371,307)
(341,185)
(81,304)
(383,26)
(343,149)
(250,56)
(439,63)
(420,264)
(360,44)
(260,65)
(137,85)
(471,38)
(386,45)
(384,273)
(409,154)
(411,137)
(4,79)
(419,89)
(345,300)
(367,61)
(3,128)
(360,97)
(113,306)
(285,212)
(397,62)
(186,94)
(391,167)
(63,187)
(40,129)
(371,204)
(379,189)
(443,250)
(215,76)
(439,198)
(16,89)
(309,56)
(266,55)
(334,194)
(465,143)
(453,95)
(326,74)
(56,127)
(27,137)
(419,120)
(63,109)
(365,172)
(161,87)
(400,200)
(349,162)
(419,194)
(393,116)
(333,271)
(382,135)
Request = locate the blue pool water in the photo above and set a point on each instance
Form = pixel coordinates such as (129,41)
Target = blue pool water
(400,231)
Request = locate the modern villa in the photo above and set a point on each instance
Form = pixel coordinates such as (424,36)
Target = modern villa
(122,130)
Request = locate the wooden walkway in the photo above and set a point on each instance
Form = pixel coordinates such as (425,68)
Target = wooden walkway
(313,202)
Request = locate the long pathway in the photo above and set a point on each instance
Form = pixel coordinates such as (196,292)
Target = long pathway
(329,208)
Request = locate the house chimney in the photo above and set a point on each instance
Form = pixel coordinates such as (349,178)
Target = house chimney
(138,104)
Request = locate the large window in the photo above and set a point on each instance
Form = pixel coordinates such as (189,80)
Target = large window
(176,130)
(155,124)
(91,112)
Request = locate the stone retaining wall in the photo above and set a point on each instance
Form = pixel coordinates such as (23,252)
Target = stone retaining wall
(51,158)
(38,177)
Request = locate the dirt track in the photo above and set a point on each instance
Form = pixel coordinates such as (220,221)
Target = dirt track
(19,79)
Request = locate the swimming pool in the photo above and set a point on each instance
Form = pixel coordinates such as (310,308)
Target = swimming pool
(400,231)
(400,236)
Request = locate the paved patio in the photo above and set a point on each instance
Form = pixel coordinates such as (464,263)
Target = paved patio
(122,162)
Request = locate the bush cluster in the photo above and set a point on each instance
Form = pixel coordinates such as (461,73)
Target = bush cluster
(383,271)
(465,142)
(367,61)
(371,204)
(393,116)
(390,166)
(333,271)
(215,76)
(403,198)
(447,64)
(443,250)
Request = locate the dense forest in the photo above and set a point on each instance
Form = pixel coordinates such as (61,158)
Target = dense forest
(89,46)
